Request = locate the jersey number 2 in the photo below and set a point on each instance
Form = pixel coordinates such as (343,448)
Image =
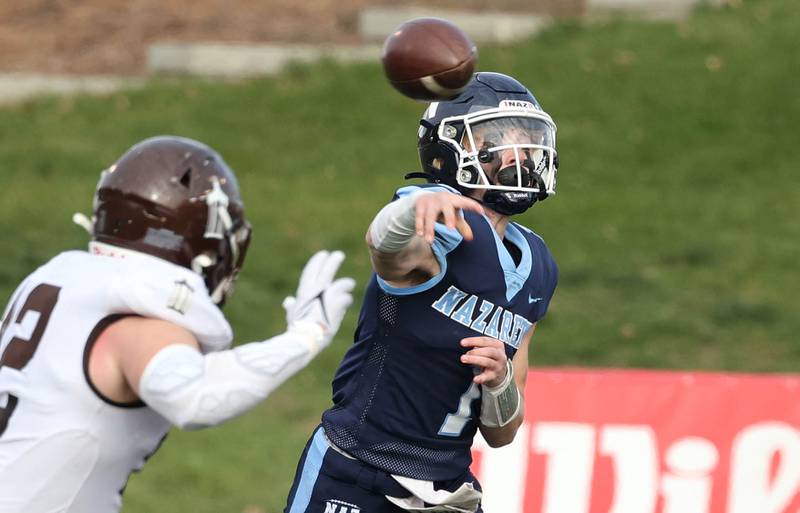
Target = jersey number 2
(40,303)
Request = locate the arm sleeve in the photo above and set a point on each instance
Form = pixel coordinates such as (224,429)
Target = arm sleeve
(395,225)
(194,390)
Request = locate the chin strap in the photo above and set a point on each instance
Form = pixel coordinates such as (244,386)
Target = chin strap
(84,222)
(516,202)
(419,174)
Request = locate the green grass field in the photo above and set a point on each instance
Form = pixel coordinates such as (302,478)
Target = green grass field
(675,225)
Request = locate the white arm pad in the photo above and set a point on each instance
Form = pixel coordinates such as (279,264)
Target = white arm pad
(195,391)
(501,404)
(395,225)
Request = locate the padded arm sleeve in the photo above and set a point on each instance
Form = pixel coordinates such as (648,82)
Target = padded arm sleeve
(395,225)
(194,391)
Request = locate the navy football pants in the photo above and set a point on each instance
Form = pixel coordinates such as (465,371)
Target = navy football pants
(329,482)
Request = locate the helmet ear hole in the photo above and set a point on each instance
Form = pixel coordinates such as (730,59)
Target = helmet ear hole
(186,179)
(466,175)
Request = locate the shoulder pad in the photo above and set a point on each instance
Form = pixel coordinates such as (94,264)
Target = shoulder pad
(162,290)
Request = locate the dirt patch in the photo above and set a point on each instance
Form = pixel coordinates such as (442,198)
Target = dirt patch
(111,36)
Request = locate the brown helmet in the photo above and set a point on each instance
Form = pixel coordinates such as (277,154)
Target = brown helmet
(176,199)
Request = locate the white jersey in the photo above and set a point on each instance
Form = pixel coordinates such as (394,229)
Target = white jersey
(64,448)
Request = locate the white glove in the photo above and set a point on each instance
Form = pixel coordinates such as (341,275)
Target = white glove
(320,301)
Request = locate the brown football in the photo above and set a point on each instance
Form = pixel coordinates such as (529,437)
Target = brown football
(429,59)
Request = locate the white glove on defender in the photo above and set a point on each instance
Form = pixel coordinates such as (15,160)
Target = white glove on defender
(319,299)
(193,390)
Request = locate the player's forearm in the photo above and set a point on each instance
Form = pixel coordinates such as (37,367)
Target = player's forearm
(502,408)
(407,267)
(500,436)
(195,391)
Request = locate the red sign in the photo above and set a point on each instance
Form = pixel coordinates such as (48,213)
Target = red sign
(648,442)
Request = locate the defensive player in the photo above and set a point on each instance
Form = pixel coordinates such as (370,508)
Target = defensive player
(103,351)
(441,348)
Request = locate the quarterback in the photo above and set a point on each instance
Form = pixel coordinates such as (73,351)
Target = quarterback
(101,352)
(441,347)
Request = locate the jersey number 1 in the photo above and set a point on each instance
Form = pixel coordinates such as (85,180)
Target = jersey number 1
(454,423)
(42,300)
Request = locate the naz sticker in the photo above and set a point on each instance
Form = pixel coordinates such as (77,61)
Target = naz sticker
(518,104)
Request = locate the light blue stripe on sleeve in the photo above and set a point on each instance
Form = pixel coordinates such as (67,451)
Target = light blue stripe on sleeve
(445,240)
(439,187)
(311,467)
(407,291)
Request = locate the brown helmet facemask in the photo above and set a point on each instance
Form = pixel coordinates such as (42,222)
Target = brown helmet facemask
(176,199)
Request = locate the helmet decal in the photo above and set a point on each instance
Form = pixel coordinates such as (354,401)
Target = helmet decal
(518,104)
(431,110)
(219,221)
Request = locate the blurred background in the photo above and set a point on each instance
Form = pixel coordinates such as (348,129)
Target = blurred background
(111,36)
(675,225)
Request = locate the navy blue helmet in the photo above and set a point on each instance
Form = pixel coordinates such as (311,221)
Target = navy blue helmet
(493,136)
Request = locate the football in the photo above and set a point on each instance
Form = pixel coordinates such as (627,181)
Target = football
(429,59)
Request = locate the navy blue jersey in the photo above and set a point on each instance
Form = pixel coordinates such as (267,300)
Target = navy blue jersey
(403,401)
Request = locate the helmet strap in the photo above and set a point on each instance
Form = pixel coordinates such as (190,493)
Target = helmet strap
(222,290)
(201,261)
(84,222)
(420,174)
